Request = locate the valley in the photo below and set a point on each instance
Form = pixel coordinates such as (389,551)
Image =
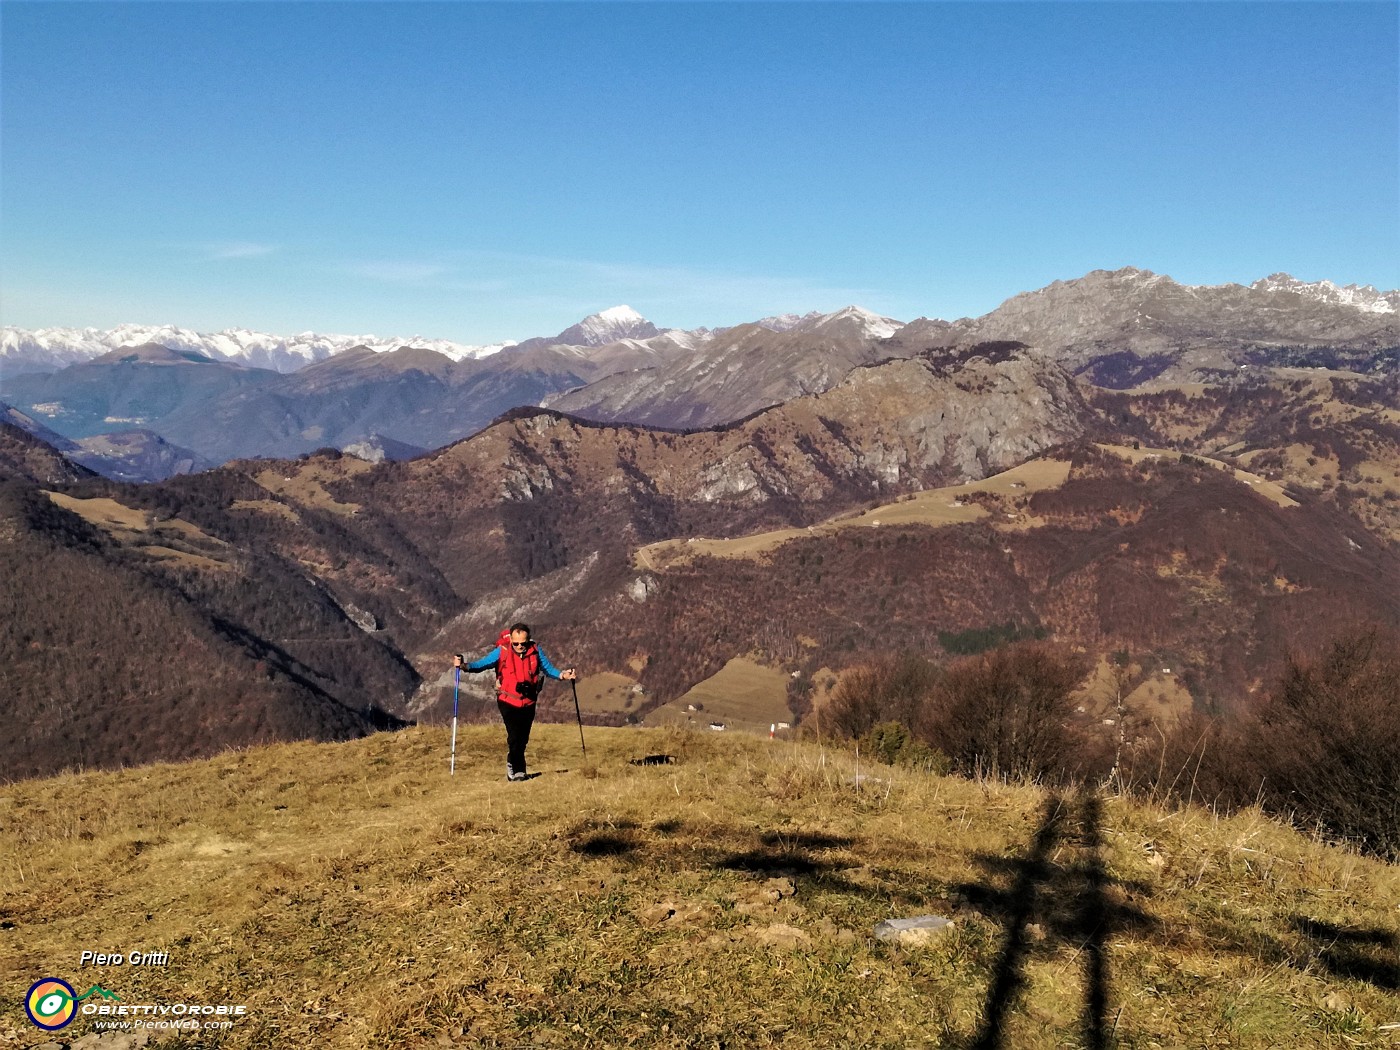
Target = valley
(942,495)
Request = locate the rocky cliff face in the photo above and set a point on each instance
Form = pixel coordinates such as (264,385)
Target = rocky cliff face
(898,426)
(1152,309)
(1184,333)
(738,372)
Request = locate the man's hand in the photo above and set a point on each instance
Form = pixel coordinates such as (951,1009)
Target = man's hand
(569,674)
(457,660)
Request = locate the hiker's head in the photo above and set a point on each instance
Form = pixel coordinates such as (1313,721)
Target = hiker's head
(519,637)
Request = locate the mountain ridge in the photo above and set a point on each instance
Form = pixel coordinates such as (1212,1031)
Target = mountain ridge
(1122,329)
(56,347)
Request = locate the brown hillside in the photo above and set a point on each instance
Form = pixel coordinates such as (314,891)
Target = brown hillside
(322,572)
(285,513)
(1181,564)
(1332,435)
(337,574)
(115,654)
(25,456)
(539,491)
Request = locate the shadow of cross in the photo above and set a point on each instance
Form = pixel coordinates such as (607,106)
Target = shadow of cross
(1062,889)
(1354,952)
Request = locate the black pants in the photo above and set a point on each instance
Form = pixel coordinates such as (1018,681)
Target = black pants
(518,721)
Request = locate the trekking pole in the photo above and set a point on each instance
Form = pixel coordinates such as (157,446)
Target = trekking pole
(456,682)
(579,715)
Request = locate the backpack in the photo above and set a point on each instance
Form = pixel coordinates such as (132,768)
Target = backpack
(518,675)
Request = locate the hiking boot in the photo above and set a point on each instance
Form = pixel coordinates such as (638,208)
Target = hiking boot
(517,776)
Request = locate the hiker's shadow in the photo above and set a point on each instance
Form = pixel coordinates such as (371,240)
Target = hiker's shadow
(1047,904)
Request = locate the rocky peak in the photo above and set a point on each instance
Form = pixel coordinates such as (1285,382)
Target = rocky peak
(608,326)
(854,318)
(1363,297)
(787,322)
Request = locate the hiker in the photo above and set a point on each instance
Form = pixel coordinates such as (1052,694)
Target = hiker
(520,667)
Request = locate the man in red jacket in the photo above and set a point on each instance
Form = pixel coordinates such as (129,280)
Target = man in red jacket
(520,667)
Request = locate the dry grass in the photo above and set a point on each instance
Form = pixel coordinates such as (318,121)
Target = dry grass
(1152,694)
(934,507)
(106,514)
(135,528)
(1268,489)
(742,695)
(266,506)
(354,896)
(304,482)
(607,691)
(194,561)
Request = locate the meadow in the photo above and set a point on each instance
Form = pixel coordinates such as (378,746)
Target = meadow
(355,895)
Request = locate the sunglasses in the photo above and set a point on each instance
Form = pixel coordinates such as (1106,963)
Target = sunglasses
(520,645)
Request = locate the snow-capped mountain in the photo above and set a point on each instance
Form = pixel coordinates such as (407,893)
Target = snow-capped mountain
(787,322)
(856,319)
(608,326)
(52,348)
(737,371)
(1362,297)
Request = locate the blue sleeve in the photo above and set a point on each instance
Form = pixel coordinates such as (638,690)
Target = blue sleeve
(545,665)
(490,660)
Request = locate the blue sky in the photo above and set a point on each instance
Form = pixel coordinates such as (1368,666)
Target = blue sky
(480,172)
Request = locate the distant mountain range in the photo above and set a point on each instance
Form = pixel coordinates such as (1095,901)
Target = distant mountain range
(418,397)
(321,597)
(1121,329)
(296,600)
(49,349)
(738,371)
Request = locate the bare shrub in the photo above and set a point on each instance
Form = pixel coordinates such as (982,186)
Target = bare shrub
(1328,737)
(1008,711)
(1204,758)
(890,689)
(1322,749)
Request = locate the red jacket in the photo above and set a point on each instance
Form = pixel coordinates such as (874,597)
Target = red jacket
(518,675)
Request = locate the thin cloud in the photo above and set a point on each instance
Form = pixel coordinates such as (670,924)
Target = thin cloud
(398,271)
(238,250)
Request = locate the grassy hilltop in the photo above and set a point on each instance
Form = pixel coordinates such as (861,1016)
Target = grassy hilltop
(352,895)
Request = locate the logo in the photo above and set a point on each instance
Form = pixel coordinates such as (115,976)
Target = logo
(51,1003)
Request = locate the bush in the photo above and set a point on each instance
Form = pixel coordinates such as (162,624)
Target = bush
(1328,738)
(1322,748)
(893,744)
(1007,712)
(1203,759)
(890,689)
